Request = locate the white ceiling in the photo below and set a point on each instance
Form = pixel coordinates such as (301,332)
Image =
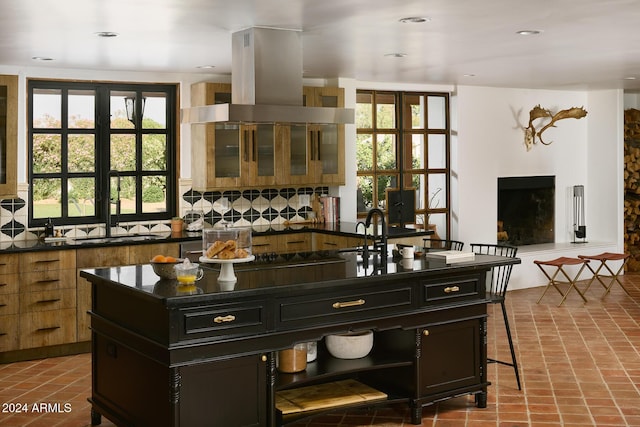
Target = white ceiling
(583,44)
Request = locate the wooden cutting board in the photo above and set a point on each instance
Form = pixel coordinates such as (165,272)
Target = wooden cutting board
(323,396)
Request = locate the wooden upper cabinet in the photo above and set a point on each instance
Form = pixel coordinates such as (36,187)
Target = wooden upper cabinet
(8,136)
(225,155)
(326,141)
(215,147)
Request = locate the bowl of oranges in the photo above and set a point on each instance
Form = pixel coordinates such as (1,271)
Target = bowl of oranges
(163,266)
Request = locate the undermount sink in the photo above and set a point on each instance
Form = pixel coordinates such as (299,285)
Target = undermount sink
(118,238)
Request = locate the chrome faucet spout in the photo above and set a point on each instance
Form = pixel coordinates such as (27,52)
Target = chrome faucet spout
(117,201)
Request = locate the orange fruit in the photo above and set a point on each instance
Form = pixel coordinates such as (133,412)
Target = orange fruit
(159,258)
(169,258)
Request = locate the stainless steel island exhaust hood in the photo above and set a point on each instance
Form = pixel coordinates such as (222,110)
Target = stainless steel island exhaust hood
(266,83)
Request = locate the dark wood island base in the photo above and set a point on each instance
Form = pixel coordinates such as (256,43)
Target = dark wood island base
(165,358)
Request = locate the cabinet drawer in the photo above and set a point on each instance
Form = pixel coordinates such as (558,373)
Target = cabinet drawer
(9,264)
(47,260)
(48,280)
(8,304)
(455,289)
(340,307)
(43,328)
(8,333)
(224,320)
(264,244)
(47,300)
(9,283)
(296,242)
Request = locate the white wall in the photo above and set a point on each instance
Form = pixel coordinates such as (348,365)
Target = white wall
(583,152)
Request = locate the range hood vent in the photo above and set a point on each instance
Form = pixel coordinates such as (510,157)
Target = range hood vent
(266,83)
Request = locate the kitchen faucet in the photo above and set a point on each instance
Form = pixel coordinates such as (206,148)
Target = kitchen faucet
(116,200)
(382,244)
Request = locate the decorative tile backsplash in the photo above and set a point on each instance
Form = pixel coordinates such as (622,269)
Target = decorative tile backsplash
(258,207)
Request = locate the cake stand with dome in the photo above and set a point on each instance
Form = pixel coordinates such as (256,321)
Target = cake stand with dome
(227,275)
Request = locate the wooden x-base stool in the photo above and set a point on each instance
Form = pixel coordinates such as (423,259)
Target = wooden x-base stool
(556,266)
(613,277)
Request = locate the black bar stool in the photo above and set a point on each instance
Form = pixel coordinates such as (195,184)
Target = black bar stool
(497,292)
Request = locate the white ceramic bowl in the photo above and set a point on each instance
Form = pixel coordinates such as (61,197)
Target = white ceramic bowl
(353,345)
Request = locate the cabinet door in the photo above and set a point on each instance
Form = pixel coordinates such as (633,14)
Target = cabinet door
(8,136)
(450,357)
(329,157)
(215,147)
(297,154)
(326,141)
(224,393)
(260,158)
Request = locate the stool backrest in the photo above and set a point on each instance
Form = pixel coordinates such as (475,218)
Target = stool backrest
(500,274)
(455,245)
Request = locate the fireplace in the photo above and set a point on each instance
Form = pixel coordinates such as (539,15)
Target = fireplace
(526,207)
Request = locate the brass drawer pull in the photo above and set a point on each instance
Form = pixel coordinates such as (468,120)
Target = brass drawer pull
(3,284)
(47,281)
(330,244)
(296,242)
(50,328)
(3,305)
(425,332)
(45,260)
(348,303)
(450,289)
(46,301)
(224,319)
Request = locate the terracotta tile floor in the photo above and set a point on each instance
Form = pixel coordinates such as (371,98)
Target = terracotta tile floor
(580,366)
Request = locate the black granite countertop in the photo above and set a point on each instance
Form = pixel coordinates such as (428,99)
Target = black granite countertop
(341,228)
(307,270)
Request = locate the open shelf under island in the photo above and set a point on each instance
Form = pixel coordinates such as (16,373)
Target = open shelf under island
(165,359)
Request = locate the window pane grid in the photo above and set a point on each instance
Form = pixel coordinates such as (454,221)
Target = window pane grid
(66,143)
(417,158)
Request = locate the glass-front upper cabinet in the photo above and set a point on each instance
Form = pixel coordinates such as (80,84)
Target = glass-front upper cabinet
(259,154)
(8,136)
(215,147)
(326,140)
(297,163)
(231,154)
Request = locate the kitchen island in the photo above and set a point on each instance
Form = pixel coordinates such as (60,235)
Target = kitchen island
(206,357)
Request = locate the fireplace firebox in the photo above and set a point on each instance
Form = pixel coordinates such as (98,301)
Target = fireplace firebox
(526,210)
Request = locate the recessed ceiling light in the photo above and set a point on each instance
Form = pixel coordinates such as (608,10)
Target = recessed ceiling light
(41,58)
(415,20)
(529,32)
(206,67)
(107,34)
(468,75)
(395,55)
(630,78)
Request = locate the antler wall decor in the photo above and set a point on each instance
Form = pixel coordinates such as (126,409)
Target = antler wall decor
(538,112)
